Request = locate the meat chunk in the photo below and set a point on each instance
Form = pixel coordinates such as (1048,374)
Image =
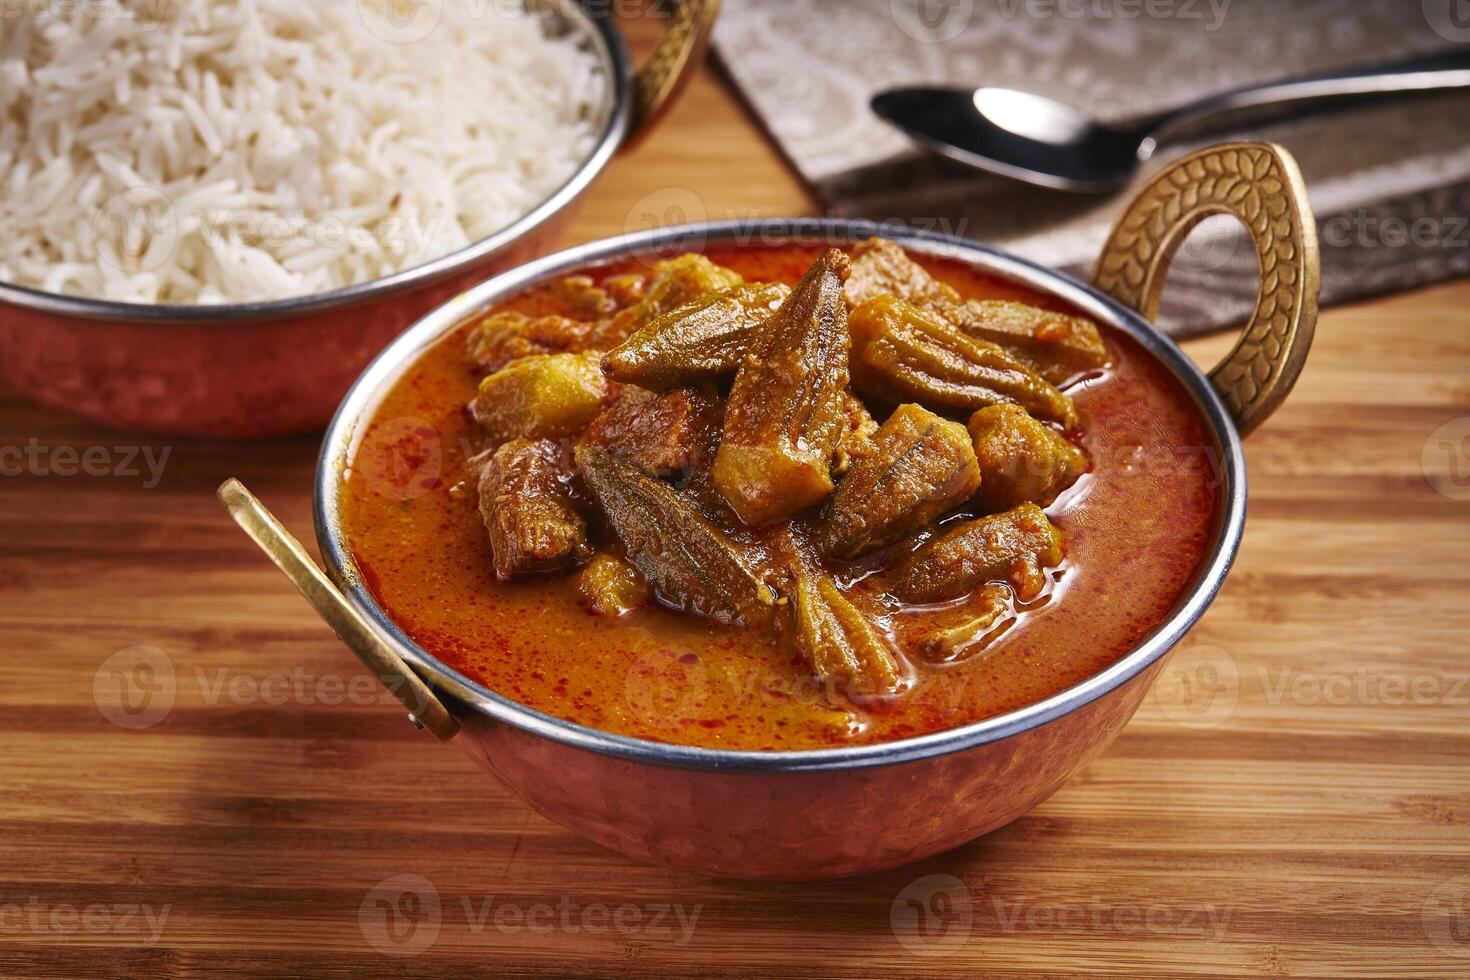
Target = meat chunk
(526,504)
(901,353)
(841,644)
(546,396)
(609,586)
(1021,459)
(700,341)
(856,441)
(922,468)
(1054,345)
(625,289)
(670,434)
(785,414)
(694,564)
(1013,547)
(882,268)
(502,338)
(676,283)
(582,297)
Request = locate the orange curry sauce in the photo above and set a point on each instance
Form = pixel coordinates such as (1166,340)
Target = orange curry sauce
(1135,527)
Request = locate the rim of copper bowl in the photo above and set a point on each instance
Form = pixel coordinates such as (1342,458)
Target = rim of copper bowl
(607,43)
(342,436)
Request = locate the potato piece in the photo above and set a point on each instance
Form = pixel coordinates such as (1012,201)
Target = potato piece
(676,283)
(923,467)
(665,435)
(700,341)
(612,587)
(546,396)
(526,504)
(841,645)
(1021,459)
(785,414)
(1013,547)
(502,338)
(1054,345)
(694,564)
(902,354)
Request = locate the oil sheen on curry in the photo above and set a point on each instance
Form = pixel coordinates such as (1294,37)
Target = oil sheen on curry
(781,497)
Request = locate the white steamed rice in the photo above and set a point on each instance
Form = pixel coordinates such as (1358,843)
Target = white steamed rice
(221,151)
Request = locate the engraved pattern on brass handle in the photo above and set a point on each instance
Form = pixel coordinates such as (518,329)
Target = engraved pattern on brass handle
(1260,185)
(678,54)
(425,710)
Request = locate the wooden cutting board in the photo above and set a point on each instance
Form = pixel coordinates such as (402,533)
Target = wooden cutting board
(1294,799)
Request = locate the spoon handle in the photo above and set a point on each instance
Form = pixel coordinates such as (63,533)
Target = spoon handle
(1442,70)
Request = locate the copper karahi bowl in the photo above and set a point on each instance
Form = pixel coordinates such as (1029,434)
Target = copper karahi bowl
(841,811)
(244,371)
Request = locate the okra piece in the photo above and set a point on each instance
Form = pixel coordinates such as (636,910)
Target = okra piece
(694,564)
(841,644)
(700,341)
(901,353)
(986,610)
(1015,547)
(676,282)
(1054,345)
(1021,459)
(526,504)
(923,466)
(785,415)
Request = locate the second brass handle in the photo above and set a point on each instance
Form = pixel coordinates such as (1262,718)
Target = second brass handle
(1260,184)
(675,59)
(425,709)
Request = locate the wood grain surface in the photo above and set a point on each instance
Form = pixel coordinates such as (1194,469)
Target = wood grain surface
(1294,799)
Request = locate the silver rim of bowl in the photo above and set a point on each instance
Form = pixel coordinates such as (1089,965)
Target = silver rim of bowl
(616,107)
(343,433)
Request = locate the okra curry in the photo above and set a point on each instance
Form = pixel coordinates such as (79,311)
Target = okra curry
(780,497)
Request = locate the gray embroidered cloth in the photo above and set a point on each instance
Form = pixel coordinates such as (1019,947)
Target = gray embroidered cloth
(1390,182)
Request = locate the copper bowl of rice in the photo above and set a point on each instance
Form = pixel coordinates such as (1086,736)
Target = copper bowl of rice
(215,214)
